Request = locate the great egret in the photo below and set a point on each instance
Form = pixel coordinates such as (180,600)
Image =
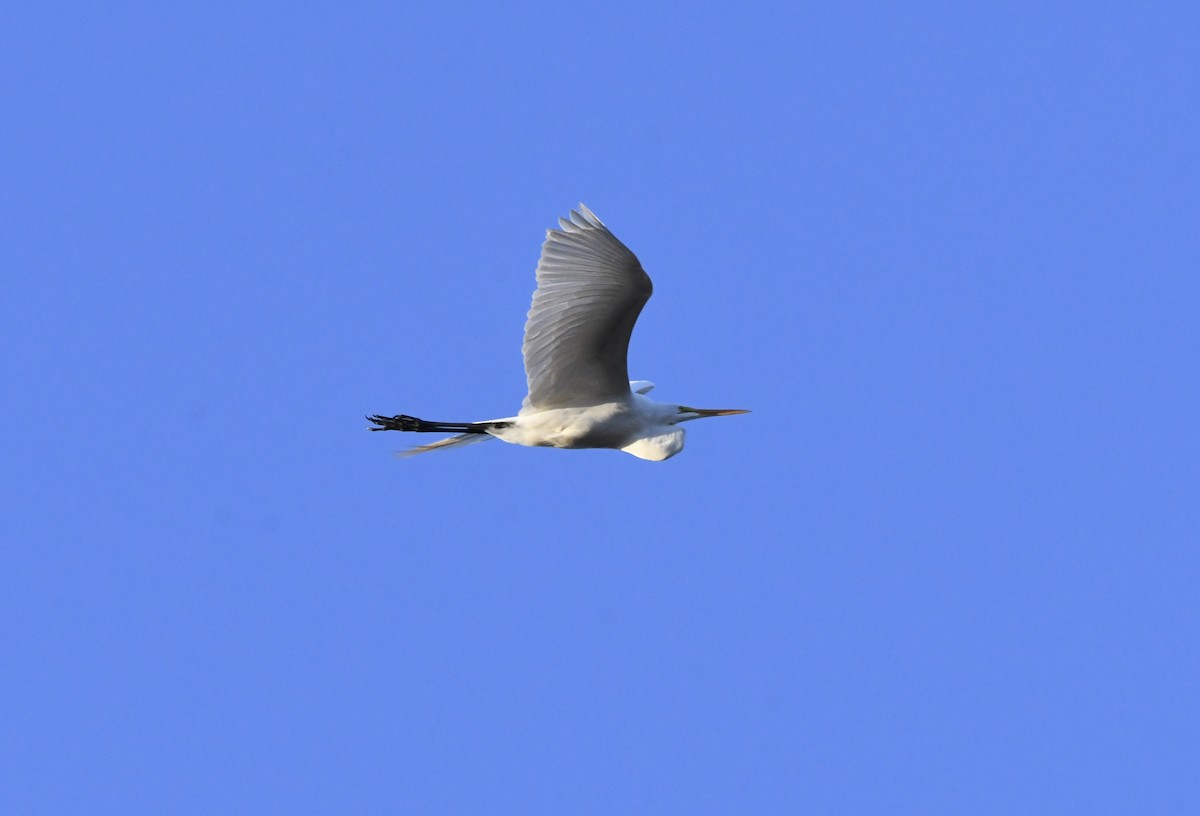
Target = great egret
(590,290)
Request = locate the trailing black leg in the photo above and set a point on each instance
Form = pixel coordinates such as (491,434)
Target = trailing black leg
(403,422)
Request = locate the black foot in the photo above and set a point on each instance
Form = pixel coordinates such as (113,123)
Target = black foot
(400,422)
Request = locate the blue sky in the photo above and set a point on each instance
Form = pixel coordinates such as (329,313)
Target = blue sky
(948,255)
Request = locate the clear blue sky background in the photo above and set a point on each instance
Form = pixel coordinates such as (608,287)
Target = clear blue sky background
(948,256)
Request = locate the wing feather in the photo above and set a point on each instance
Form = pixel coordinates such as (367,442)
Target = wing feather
(590,290)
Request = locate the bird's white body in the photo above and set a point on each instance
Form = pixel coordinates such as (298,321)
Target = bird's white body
(590,291)
(636,425)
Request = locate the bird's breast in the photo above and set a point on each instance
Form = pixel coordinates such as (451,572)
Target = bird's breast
(609,425)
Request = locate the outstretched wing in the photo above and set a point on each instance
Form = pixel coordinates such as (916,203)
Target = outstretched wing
(590,291)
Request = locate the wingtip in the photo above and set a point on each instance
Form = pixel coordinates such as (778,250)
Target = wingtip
(589,216)
(578,219)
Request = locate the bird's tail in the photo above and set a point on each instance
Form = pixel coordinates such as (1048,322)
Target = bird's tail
(450,442)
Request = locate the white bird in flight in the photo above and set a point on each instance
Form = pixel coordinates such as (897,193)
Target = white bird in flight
(590,291)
